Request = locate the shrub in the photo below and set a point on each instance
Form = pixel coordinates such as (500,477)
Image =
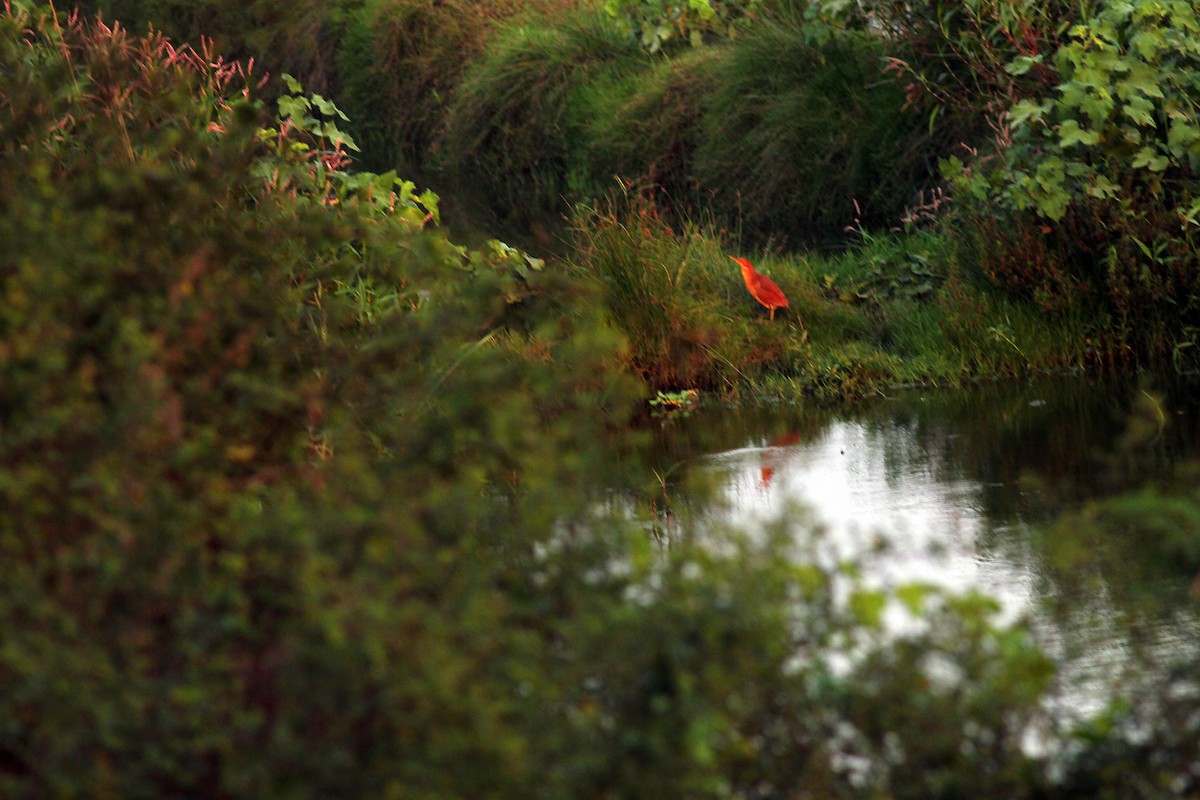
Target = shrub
(299,38)
(226,486)
(1099,177)
(659,25)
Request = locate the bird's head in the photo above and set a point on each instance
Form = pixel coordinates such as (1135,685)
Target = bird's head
(747,267)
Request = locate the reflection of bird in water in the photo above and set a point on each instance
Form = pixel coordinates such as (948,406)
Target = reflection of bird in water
(770,455)
(762,288)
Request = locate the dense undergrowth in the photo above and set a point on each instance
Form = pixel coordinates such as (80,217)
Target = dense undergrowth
(298,494)
(1064,131)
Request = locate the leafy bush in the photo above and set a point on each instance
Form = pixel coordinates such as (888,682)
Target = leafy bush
(1121,120)
(300,38)
(226,486)
(955,55)
(657,25)
(1096,189)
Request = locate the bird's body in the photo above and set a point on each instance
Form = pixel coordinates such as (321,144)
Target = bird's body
(762,288)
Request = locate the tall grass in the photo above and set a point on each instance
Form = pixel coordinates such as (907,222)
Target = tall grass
(892,311)
(512,126)
(650,128)
(797,134)
(402,62)
(679,300)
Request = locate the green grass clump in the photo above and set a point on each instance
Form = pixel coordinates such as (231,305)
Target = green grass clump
(512,126)
(401,64)
(798,133)
(679,300)
(649,131)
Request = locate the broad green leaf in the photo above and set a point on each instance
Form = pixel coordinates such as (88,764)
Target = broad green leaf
(293,108)
(1102,187)
(1070,133)
(868,607)
(1150,159)
(1027,110)
(1141,111)
(429,199)
(1182,134)
(1022,64)
(913,596)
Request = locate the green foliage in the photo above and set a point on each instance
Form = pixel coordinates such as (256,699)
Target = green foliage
(892,312)
(401,62)
(513,125)
(300,496)
(801,141)
(1090,197)
(1121,120)
(239,510)
(647,131)
(955,55)
(301,37)
(679,299)
(657,25)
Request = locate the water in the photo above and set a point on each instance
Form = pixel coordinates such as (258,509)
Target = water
(980,490)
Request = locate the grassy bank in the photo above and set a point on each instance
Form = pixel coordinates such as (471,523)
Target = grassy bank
(895,310)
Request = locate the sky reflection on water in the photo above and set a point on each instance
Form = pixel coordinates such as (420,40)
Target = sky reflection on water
(942,493)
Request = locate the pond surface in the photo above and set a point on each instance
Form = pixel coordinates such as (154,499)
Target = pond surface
(979,490)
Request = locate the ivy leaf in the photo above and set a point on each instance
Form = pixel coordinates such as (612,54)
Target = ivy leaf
(1102,187)
(868,607)
(292,84)
(1181,136)
(1028,111)
(1148,158)
(1148,43)
(1022,64)
(429,199)
(293,108)
(327,107)
(1070,133)
(1141,111)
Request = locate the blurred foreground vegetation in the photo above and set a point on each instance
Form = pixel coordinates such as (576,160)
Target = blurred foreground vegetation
(300,496)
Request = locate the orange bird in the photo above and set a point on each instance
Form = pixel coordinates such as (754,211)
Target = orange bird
(762,288)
